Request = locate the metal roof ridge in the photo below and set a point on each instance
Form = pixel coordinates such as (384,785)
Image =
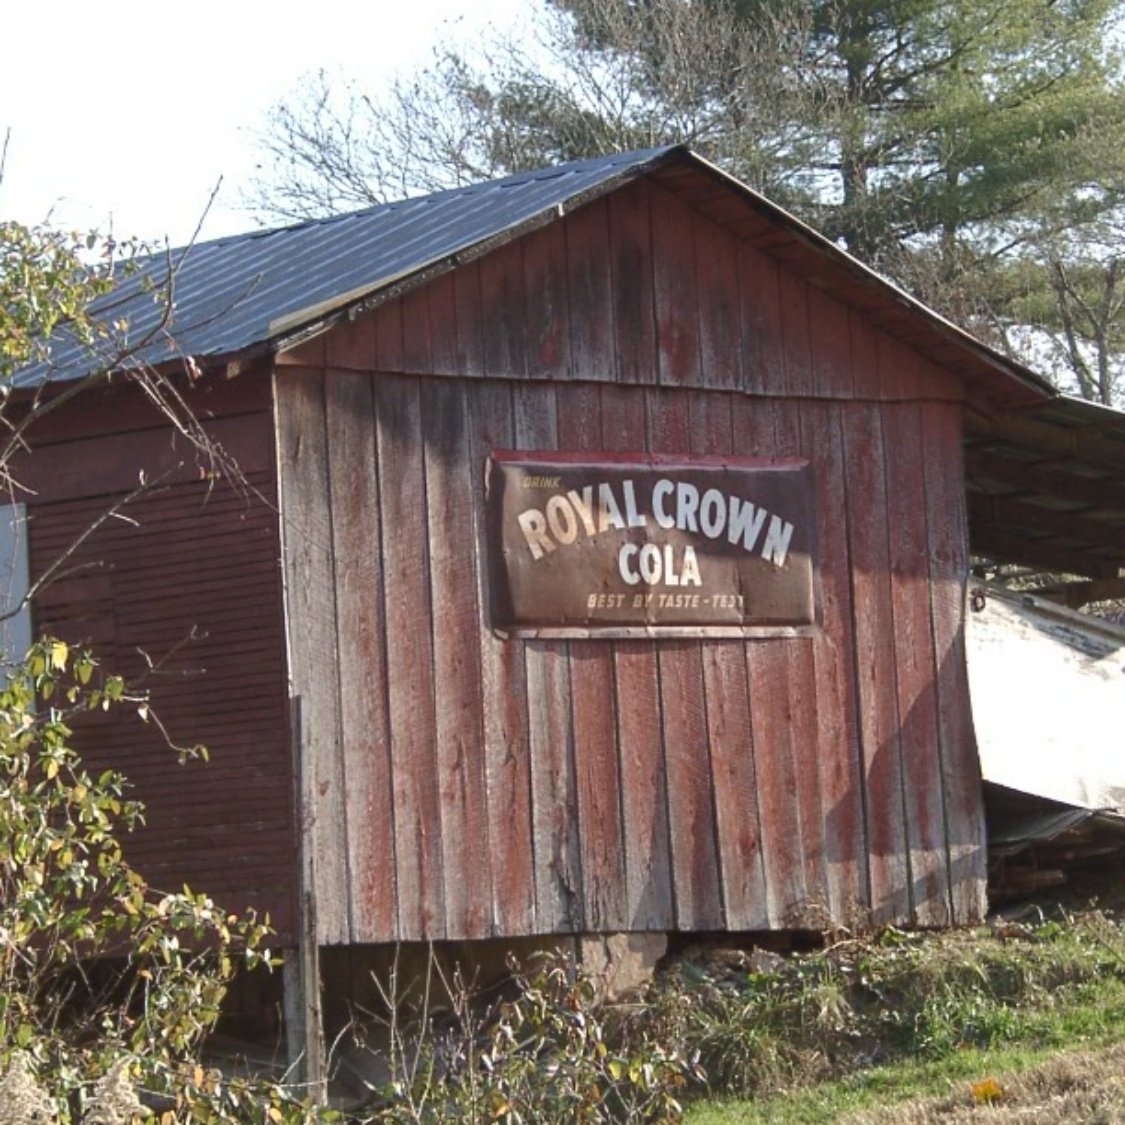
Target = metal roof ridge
(479,187)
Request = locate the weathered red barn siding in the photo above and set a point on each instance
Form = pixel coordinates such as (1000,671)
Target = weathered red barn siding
(464,785)
(186,575)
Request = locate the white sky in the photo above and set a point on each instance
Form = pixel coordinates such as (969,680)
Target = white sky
(125,115)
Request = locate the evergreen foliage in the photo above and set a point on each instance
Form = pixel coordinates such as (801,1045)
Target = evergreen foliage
(973,152)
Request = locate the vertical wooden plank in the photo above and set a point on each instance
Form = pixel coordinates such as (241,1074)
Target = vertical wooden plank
(799,377)
(590,295)
(649,901)
(833,658)
(763,363)
(417,355)
(469,319)
(365,726)
(410,671)
(597,767)
(311,353)
(898,370)
(503,313)
(949,564)
(442,296)
(351,345)
(830,342)
(804,716)
(865,357)
(823,425)
(388,337)
(554,804)
(548,321)
(466,855)
(691,812)
(302,1013)
(630,235)
(675,290)
(756,428)
(731,739)
(720,328)
(871,533)
(938,382)
(311,622)
(504,678)
(914,657)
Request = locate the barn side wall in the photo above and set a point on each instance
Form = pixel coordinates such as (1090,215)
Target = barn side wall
(464,785)
(184,575)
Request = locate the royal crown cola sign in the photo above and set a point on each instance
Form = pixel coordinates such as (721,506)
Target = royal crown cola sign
(640,544)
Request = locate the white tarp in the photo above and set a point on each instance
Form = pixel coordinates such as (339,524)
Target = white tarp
(1048,695)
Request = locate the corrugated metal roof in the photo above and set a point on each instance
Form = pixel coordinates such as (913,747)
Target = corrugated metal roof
(1047,489)
(236,293)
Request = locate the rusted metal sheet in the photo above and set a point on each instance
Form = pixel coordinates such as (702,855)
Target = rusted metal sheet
(189,581)
(649,545)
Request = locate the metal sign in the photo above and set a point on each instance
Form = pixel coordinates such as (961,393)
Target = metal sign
(645,545)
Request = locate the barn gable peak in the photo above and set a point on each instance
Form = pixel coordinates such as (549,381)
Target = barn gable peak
(269,290)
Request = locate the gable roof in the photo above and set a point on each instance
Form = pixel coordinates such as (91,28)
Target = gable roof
(269,289)
(244,293)
(1032,499)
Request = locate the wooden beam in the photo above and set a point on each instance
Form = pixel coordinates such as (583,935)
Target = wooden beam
(1077,594)
(1045,477)
(1012,513)
(304,1019)
(1080,443)
(987,540)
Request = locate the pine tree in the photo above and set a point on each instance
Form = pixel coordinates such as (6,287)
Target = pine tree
(952,145)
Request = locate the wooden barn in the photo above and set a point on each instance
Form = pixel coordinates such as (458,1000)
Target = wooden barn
(598,565)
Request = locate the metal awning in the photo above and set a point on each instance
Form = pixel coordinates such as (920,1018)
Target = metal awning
(1046,490)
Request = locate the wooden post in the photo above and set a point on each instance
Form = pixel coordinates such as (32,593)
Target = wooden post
(304,1022)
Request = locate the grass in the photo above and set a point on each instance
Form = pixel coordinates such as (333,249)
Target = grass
(1019,1023)
(906,1028)
(948,1081)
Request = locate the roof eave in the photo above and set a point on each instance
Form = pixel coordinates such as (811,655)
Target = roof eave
(1016,386)
(1010,369)
(306,324)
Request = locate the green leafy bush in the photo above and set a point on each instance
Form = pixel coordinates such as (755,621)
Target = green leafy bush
(107,987)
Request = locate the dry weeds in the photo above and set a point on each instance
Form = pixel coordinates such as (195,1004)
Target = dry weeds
(1074,1088)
